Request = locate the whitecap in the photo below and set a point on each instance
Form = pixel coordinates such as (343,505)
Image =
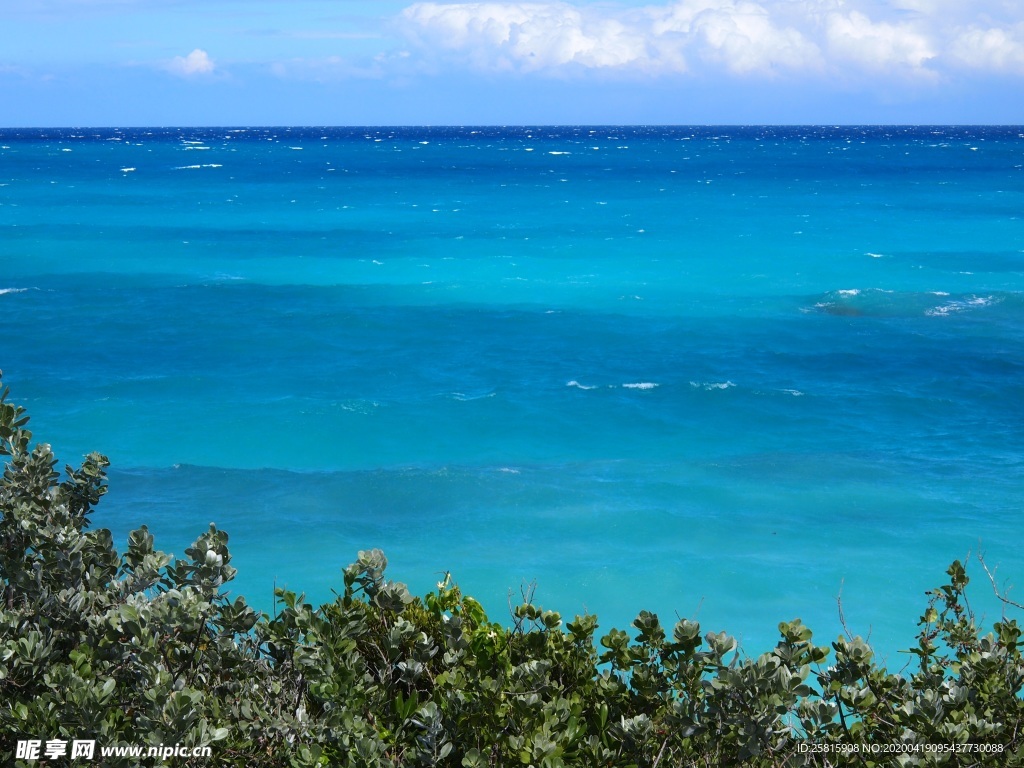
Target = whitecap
(509,470)
(952,307)
(849,292)
(641,385)
(559,153)
(12,290)
(874,255)
(464,397)
(187,167)
(711,385)
(127,170)
(576,384)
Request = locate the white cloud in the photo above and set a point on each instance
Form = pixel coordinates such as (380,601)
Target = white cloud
(739,35)
(11,69)
(993,49)
(325,69)
(526,36)
(195,64)
(879,46)
(918,39)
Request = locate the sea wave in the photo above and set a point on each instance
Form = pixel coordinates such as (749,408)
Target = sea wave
(463,397)
(712,385)
(973,302)
(878,302)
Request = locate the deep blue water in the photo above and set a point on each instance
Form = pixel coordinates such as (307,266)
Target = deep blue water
(723,373)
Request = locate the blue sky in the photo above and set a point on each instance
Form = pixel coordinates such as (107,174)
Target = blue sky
(360,62)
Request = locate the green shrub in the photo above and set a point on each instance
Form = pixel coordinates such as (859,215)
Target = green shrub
(142,649)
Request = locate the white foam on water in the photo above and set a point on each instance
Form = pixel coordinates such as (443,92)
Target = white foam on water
(12,290)
(952,307)
(358,406)
(874,255)
(187,167)
(463,397)
(849,292)
(711,385)
(641,385)
(576,384)
(127,170)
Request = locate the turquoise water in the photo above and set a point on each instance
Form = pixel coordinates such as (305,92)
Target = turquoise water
(723,373)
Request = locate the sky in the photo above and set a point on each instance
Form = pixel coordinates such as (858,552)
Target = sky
(388,62)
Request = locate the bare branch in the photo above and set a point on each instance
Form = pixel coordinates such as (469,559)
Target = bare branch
(995,588)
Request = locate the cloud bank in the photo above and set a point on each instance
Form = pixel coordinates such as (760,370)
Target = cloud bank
(912,39)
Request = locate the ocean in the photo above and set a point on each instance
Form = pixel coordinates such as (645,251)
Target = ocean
(737,374)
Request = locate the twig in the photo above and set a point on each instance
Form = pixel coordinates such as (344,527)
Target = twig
(992,579)
(842,616)
(839,605)
(660,753)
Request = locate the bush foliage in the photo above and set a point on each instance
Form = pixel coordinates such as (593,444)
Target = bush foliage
(141,648)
